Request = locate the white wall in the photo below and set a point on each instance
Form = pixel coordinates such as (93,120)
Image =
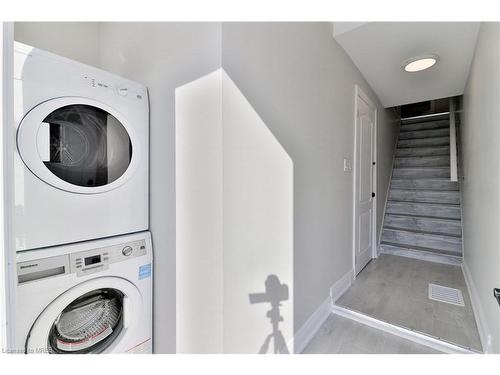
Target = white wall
(79,41)
(162,56)
(480,189)
(199,211)
(234,222)
(301,83)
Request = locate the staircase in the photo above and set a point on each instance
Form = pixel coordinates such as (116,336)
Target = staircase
(423,216)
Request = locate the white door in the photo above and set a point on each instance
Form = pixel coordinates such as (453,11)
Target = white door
(364,196)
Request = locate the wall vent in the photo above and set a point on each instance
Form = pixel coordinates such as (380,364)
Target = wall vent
(447,295)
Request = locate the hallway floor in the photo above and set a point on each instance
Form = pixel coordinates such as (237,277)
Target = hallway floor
(340,335)
(395,289)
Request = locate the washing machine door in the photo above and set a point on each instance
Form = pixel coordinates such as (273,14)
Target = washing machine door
(78,145)
(97,316)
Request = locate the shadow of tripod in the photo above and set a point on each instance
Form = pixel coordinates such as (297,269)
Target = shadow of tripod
(275,293)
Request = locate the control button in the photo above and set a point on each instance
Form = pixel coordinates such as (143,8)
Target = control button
(127,250)
(123,91)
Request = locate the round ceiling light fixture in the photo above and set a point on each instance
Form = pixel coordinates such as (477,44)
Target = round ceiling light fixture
(418,64)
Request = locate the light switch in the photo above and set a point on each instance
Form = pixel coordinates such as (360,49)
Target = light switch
(347,165)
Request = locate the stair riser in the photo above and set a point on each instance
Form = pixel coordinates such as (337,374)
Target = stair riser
(414,173)
(423,161)
(423,151)
(425,126)
(429,254)
(418,134)
(447,197)
(425,142)
(419,209)
(447,244)
(425,184)
(424,224)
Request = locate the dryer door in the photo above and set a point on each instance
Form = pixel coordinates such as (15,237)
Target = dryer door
(78,145)
(97,316)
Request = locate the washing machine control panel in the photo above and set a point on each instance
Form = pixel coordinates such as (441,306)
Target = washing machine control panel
(82,263)
(95,260)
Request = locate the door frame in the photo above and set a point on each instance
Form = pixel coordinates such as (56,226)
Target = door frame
(359,94)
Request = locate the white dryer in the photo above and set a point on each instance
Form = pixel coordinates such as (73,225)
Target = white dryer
(92,297)
(81,162)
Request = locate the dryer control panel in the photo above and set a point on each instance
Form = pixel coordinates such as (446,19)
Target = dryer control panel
(82,263)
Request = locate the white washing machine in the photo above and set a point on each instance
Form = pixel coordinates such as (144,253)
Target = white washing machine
(92,297)
(81,162)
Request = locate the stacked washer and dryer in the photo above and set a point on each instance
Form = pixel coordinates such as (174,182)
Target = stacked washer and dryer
(84,255)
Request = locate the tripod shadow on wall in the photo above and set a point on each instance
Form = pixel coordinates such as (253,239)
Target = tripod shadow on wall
(275,293)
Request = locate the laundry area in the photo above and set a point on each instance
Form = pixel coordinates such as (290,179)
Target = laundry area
(250,188)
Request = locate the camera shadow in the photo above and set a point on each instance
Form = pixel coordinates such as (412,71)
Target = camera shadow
(275,293)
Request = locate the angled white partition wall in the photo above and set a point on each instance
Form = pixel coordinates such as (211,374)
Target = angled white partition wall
(234,204)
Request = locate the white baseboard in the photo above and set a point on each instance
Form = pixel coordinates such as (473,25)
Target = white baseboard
(482,326)
(404,333)
(341,286)
(318,317)
(311,326)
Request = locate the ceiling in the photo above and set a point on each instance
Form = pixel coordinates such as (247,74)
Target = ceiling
(379,50)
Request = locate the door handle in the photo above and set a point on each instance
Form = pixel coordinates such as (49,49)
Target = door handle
(496,294)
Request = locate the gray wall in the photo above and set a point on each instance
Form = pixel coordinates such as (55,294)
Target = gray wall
(75,40)
(480,139)
(301,82)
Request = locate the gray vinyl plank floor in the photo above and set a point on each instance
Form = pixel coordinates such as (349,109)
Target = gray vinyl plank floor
(395,289)
(340,335)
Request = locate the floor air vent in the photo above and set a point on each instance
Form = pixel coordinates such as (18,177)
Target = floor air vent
(446,295)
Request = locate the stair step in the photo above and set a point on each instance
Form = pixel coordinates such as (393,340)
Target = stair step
(425,133)
(446,197)
(441,184)
(441,243)
(422,161)
(424,142)
(424,224)
(421,172)
(423,254)
(425,125)
(433,210)
(421,120)
(423,151)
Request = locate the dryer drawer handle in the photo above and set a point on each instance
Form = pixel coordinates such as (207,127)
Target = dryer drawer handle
(127,312)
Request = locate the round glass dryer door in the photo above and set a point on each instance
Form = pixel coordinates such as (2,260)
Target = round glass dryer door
(77,144)
(89,324)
